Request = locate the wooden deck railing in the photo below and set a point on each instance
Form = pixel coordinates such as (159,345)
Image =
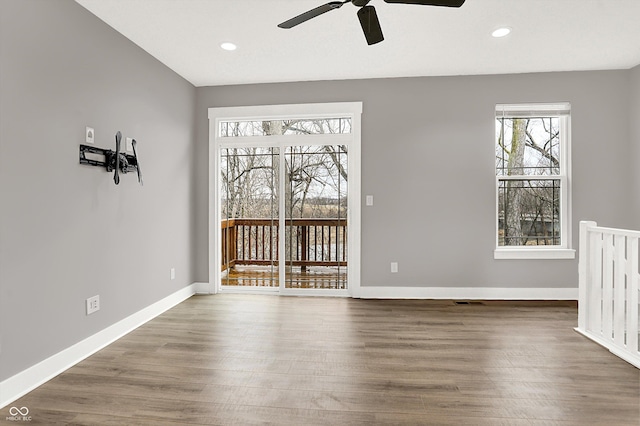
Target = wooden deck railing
(309,242)
(609,287)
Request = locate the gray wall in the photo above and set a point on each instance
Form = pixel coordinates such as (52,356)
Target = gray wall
(436,217)
(66,231)
(634,128)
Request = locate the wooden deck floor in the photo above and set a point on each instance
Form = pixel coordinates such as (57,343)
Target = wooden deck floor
(264,276)
(251,359)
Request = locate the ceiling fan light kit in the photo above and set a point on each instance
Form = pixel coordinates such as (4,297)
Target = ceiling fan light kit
(366,14)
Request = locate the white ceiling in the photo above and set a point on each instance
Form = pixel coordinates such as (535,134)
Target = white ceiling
(548,35)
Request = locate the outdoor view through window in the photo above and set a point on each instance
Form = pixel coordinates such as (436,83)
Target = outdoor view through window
(309,194)
(531,177)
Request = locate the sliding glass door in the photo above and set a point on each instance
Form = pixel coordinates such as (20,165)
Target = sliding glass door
(282,221)
(249,211)
(314,234)
(316,217)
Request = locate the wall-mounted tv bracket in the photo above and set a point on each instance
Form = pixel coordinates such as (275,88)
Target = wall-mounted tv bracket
(117,161)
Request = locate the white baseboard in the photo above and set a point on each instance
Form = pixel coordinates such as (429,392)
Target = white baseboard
(24,382)
(626,355)
(468,293)
(202,288)
(457,293)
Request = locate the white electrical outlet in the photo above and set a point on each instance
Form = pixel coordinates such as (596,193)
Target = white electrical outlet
(172,273)
(369,200)
(93,304)
(394,267)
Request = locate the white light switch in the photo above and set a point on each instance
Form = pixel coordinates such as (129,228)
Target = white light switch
(369,200)
(128,145)
(89,134)
(394,267)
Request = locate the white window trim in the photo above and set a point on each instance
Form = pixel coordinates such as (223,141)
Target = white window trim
(565,250)
(535,253)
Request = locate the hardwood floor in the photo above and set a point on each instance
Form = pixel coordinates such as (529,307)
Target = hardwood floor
(250,359)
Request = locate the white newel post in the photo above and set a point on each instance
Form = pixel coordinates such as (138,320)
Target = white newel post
(584,272)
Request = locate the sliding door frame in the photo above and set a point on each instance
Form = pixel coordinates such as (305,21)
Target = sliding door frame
(352,110)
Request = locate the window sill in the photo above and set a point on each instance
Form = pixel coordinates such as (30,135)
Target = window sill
(529,253)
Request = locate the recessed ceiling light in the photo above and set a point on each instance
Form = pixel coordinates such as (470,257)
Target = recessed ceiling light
(501,32)
(228,46)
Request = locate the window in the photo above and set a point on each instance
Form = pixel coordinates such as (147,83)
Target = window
(532,144)
(285,127)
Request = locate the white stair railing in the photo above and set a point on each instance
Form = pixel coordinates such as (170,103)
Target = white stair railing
(608,293)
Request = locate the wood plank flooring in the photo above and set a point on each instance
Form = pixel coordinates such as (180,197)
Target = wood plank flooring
(251,359)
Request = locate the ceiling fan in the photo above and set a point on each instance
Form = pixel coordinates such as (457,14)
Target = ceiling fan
(366,14)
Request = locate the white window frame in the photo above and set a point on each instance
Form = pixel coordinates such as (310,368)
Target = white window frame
(564,250)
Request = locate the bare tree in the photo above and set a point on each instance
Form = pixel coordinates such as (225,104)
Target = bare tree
(529,207)
(515,165)
(310,169)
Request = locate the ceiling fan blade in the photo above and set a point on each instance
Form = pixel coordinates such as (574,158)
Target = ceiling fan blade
(370,25)
(312,13)
(447,3)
